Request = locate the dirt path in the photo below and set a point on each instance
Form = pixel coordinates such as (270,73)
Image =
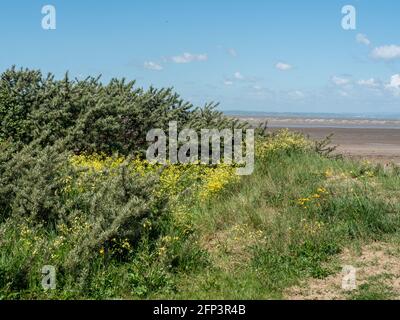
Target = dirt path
(377,277)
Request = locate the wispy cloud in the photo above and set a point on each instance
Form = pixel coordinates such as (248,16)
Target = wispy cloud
(340,81)
(150,65)
(297,94)
(228,50)
(370,83)
(389,52)
(362,38)
(283,66)
(238,76)
(188,57)
(232,52)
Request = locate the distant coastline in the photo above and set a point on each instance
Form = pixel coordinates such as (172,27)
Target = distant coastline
(314,115)
(367,136)
(320,120)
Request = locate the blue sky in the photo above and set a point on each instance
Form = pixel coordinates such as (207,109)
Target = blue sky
(273,56)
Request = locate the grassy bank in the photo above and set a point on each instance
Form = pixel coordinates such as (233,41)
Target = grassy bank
(231,238)
(288,222)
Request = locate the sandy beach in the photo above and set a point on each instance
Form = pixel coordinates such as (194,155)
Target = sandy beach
(375,140)
(380,145)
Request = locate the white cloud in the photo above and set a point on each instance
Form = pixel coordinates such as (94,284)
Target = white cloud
(394,85)
(153,66)
(395,81)
(340,81)
(386,52)
(283,66)
(238,76)
(188,57)
(370,83)
(228,82)
(362,38)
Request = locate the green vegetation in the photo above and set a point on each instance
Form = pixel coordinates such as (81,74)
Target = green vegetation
(374,289)
(289,219)
(76,193)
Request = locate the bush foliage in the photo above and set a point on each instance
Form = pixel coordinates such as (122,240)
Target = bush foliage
(76,193)
(90,116)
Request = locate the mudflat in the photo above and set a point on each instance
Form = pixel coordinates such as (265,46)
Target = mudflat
(378,145)
(377,140)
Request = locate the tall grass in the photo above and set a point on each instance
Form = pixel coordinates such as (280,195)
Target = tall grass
(297,212)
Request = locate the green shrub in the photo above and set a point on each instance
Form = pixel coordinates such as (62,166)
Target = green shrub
(91,116)
(31,183)
(88,224)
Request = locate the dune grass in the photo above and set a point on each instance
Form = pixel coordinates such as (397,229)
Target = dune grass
(288,221)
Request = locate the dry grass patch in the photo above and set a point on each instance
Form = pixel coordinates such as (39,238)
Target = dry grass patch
(378,261)
(230,248)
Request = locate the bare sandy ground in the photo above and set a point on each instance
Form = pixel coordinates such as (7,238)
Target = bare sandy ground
(375,140)
(380,145)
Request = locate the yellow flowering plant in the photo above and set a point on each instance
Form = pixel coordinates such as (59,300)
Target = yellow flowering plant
(282,141)
(181,184)
(314,200)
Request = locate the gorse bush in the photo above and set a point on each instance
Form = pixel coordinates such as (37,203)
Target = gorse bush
(76,193)
(90,116)
(31,183)
(175,181)
(78,211)
(282,141)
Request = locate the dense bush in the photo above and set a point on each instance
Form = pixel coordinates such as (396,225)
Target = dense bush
(75,192)
(31,182)
(91,116)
